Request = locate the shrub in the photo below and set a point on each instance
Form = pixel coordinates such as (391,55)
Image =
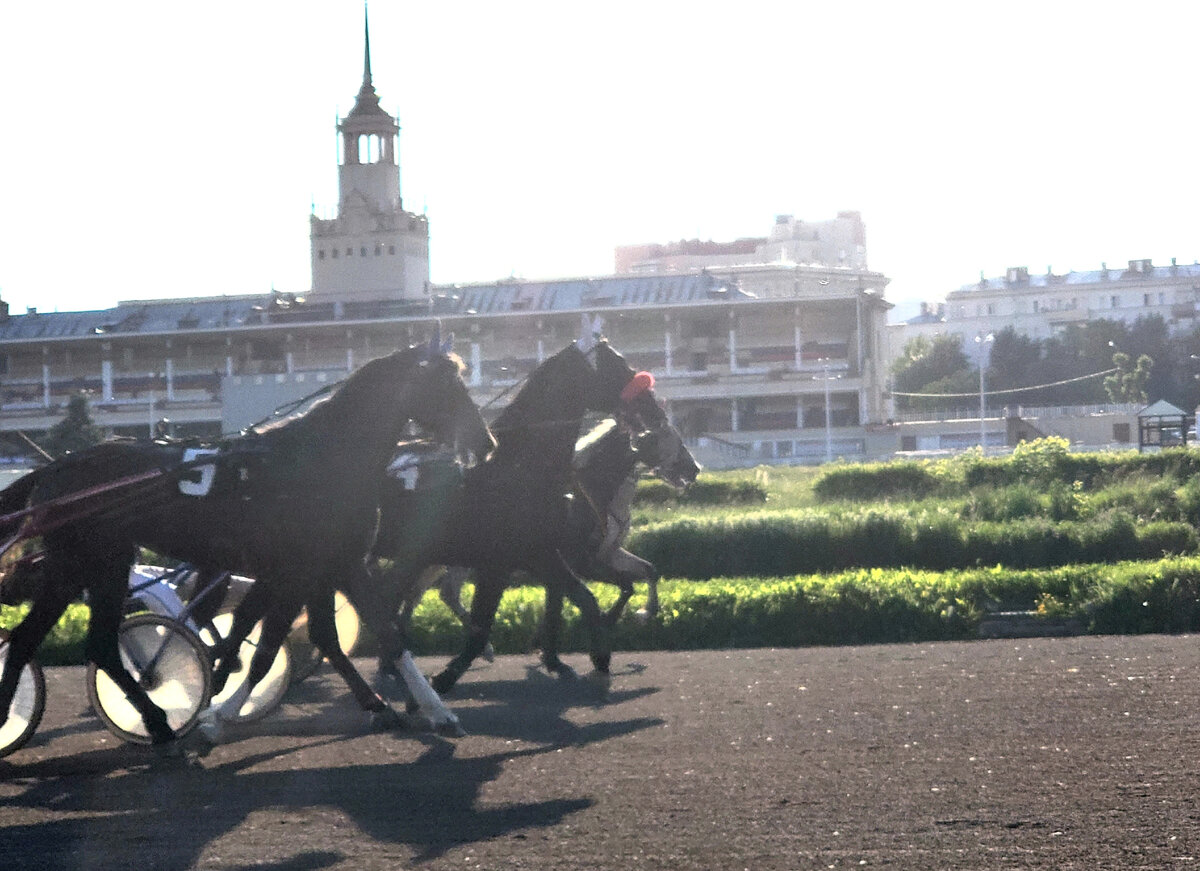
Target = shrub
(863,482)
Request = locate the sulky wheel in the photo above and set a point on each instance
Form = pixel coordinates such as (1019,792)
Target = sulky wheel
(173,666)
(306,659)
(28,704)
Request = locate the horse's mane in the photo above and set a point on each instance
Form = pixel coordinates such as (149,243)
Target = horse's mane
(324,408)
(538,388)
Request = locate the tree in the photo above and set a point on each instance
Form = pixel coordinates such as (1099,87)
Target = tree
(1016,361)
(75,431)
(929,366)
(1128,383)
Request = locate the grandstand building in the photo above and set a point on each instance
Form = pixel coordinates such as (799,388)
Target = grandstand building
(769,350)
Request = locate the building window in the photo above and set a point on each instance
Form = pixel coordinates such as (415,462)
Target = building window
(334,252)
(362,252)
(378,250)
(1035,306)
(391,249)
(1115,300)
(349,252)
(1145,299)
(321,254)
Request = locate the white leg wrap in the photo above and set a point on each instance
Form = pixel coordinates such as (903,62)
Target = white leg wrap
(422,693)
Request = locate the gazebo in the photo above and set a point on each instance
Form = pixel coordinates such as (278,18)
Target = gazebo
(1162,425)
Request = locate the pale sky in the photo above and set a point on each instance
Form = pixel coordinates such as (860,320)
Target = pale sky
(155,149)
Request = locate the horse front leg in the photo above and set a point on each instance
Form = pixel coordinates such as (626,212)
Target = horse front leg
(489,588)
(225,651)
(322,631)
(627,569)
(392,636)
(374,594)
(276,624)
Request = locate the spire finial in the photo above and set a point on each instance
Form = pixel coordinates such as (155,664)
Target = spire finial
(366,49)
(367,101)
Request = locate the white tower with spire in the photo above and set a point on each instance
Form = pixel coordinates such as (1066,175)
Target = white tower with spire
(373,249)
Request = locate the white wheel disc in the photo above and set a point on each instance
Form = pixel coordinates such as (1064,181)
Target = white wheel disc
(28,703)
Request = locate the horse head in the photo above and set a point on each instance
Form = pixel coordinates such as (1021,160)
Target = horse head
(661,449)
(443,404)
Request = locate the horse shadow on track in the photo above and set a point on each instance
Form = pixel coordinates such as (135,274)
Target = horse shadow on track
(112,810)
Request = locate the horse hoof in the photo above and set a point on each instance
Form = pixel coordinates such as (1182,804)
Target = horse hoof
(418,722)
(196,745)
(211,729)
(451,729)
(385,720)
(489,653)
(172,749)
(601,681)
(564,672)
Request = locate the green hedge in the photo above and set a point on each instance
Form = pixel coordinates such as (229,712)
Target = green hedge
(1040,462)
(705,491)
(854,607)
(775,544)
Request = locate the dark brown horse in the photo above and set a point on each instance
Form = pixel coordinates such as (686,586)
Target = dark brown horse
(292,505)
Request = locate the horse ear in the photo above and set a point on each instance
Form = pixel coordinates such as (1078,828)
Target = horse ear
(584,343)
(590,330)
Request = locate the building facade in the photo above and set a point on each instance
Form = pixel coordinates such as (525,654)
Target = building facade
(773,355)
(1041,305)
(840,241)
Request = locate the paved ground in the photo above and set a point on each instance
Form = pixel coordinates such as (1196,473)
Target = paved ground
(1048,753)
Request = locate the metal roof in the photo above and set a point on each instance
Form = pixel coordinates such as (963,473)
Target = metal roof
(503,297)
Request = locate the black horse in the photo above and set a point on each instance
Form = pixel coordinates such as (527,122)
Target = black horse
(607,463)
(292,505)
(513,512)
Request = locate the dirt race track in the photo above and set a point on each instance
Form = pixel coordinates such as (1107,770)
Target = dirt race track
(1045,753)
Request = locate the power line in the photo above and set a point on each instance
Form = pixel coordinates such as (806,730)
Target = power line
(975,395)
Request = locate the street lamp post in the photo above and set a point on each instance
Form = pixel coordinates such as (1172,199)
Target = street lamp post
(828,425)
(981,340)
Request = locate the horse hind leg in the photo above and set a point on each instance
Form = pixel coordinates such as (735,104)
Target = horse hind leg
(47,607)
(550,633)
(107,602)
(450,587)
(601,644)
(489,588)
